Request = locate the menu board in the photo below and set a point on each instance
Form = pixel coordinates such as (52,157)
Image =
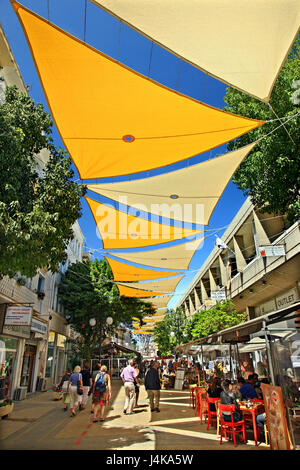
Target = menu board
(179,380)
(276,417)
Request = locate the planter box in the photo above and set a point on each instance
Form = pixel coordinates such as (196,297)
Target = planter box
(6,410)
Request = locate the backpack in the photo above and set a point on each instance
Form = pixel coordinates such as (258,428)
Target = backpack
(100,385)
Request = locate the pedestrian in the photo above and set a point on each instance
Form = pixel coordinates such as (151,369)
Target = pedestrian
(75,385)
(64,387)
(101,393)
(136,385)
(94,374)
(87,382)
(152,385)
(128,375)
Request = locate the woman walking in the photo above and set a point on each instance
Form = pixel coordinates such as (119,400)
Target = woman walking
(64,385)
(101,393)
(75,382)
(87,382)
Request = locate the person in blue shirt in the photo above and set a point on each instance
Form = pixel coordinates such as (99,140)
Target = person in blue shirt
(246,389)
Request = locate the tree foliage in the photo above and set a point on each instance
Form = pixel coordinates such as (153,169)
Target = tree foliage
(270,173)
(86,292)
(38,203)
(174,321)
(206,322)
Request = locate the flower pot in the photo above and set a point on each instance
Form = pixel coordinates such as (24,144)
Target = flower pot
(6,410)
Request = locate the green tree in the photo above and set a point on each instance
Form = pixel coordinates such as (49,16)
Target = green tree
(175,322)
(38,204)
(206,322)
(86,292)
(270,173)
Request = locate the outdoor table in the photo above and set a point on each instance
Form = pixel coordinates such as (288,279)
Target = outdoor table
(254,410)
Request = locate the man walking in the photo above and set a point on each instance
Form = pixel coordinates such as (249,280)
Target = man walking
(128,376)
(152,385)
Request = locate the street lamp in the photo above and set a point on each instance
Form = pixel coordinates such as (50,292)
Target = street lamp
(109,321)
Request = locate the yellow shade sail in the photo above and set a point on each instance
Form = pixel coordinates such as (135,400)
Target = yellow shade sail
(129,292)
(173,257)
(126,272)
(141,332)
(112,120)
(195,189)
(167,285)
(121,230)
(243,43)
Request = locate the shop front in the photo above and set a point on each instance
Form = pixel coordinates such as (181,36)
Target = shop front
(268,345)
(20,342)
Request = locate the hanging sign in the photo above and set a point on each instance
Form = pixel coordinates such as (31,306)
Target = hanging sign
(218,295)
(272,250)
(18,315)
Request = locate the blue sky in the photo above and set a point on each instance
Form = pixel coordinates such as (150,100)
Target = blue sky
(124,44)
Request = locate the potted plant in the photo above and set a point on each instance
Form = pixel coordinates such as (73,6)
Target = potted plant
(41,294)
(57,395)
(6,407)
(21,280)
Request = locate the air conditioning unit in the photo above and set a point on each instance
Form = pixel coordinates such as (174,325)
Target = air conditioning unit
(20,393)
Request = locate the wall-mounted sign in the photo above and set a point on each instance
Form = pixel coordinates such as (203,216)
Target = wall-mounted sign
(272,250)
(18,315)
(288,298)
(218,295)
(38,326)
(61,340)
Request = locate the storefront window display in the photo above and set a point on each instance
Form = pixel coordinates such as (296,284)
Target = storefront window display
(8,352)
(287,375)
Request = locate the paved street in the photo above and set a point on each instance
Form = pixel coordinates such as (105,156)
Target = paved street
(39,423)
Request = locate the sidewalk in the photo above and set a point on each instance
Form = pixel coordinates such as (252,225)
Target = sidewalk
(39,422)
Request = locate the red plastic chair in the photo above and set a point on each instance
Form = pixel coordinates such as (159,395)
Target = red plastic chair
(201,404)
(231,427)
(212,415)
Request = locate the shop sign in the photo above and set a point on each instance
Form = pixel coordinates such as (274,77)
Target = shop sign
(38,326)
(20,331)
(18,315)
(61,341)
(288,298)
(272,250)
(218,295)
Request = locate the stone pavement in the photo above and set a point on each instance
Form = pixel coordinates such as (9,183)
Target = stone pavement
(39,423)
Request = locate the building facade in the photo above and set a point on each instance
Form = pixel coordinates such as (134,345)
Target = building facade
(259,270)
(33,331)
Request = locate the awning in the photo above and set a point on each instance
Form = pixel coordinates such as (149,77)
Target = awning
(173,257)
(167,285)
(109,116)
(188,195)
(242,43)
(119,229)
(126,272)
(240,333)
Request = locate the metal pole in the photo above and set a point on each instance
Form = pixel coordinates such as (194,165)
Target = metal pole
(268,349)
(100,341)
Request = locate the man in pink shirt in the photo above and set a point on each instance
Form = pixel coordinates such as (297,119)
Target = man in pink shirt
(128,376)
